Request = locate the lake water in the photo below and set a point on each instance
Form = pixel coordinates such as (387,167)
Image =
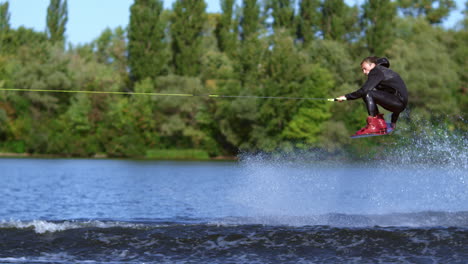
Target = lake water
(257,210)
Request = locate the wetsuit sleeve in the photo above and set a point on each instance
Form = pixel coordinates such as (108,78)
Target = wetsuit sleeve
(373,79)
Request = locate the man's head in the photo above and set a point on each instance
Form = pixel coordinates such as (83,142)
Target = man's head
(368,64)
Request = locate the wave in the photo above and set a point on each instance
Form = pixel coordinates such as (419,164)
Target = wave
(227,241)
(43,226)
(416,220)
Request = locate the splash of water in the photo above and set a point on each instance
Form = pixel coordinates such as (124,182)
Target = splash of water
(419,174)
(431,144)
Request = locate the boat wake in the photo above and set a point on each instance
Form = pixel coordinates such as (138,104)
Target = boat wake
(238,240)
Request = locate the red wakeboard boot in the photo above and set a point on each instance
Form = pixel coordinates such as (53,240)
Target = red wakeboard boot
(382,123)
(374,126)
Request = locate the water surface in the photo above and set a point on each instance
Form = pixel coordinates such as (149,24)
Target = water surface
(255,211)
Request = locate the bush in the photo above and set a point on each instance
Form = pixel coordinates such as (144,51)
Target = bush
(180,154)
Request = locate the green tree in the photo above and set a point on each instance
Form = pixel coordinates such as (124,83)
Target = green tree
(22,38)
(250,19)
(226,28)
(465,19)
(209,38)
(182,122)
(57,17)
(128,128)
(417,59)
(338,20)
(4,128)
(333,26)
(235,119)
(187,25)
(216,66)
(4,23)
(283,14)
(88,117)
(44,67)
(378,23)
(74,135)
(252,47)
(309,20)
(118,133)
(433,10)
(290,123)
(4,17)
(460,56)
(231,121)
(337,58)
(147,45)
(111,49)
(142,110)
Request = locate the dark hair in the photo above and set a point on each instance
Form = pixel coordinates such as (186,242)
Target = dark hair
(372,59)
(377,61)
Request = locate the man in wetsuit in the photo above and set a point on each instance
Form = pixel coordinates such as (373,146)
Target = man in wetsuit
(383,87)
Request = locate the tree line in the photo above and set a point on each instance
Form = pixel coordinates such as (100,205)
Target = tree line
(277,48)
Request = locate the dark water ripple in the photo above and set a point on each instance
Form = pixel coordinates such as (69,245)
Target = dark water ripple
(124,242)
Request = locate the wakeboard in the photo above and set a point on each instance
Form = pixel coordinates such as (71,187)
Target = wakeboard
(389,131)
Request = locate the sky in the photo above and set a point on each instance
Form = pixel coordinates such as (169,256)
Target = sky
(87,19)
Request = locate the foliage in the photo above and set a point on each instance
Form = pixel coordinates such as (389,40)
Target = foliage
(14,40)
(57,17)
(434,11)
(378,23)
(309,20)
(177,154)
(283,14)
(44,67)
(252,48)
(111,49)
(339,21)
(180,122)
(417,59)
(4,23)
(186,33)
(226,29)
(457,47)
(250,21)
(147,48)
(4,17)
(289,73)
(246,53)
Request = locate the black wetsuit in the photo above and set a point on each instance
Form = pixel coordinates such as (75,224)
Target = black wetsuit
(383,87)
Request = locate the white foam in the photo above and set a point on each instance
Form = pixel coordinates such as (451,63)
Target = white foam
(42,226)
(14,260)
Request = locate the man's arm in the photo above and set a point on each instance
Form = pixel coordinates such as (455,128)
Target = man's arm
(373,79)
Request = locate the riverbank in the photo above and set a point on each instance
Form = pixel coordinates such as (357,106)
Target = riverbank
(104,156)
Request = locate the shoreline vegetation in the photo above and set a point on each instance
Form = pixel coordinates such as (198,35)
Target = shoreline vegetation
(171,156)
(65,100)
